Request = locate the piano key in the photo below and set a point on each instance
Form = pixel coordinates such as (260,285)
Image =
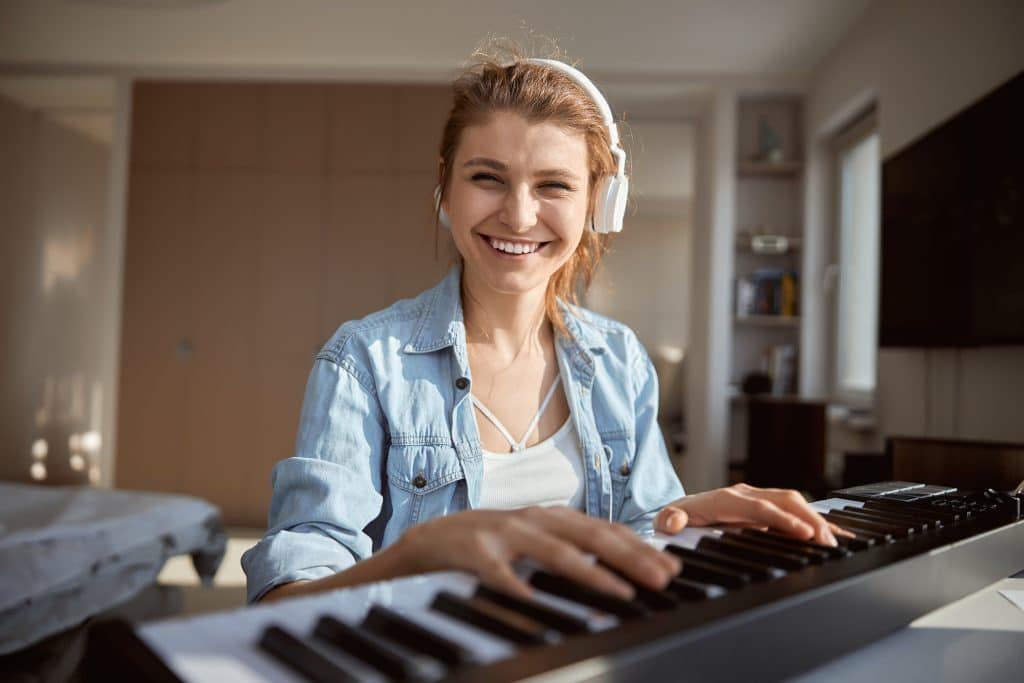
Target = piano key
(934,511)
(913,525)
(706,572)
(814,555)
(656,601)
(570,590)
(835,553)
(855,544)
(553,618)
(859,528)
(494,619)
(390,624)
(731,546)
(693,591)
(928,521)
(757,571)
(388,658)
(302,657)
(867,523)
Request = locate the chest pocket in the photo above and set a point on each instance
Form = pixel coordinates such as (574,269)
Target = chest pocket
(619,449)
(426,480)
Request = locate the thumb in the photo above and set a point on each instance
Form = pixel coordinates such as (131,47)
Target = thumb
(670,520)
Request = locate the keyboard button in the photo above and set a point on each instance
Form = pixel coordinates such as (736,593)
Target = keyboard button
(745,551)
(913,525)
(693,591)
(867,523)
(549,616)
(390,659)
(302,657)
(857,527)
(391,624)
(814,555)
(570,590)
(756,571)
(835,553)
(494,619)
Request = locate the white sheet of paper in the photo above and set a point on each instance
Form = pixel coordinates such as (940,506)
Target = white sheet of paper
(1016,597)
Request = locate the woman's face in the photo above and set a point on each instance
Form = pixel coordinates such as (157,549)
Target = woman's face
(517,201)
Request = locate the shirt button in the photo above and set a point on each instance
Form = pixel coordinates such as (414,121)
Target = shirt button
(420,481)
(624,470)
(461,383)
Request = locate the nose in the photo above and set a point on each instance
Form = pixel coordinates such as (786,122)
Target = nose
(519,211)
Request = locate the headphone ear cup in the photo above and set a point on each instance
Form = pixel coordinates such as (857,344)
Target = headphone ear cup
(442,215)
(610,204)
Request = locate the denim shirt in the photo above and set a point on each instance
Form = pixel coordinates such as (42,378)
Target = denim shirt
(388,436)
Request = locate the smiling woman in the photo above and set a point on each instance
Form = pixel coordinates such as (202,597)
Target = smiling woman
(396,473)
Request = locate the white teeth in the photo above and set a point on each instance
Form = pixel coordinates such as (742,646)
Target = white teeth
(514,247)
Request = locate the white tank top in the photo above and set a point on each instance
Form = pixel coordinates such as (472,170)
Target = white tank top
(548,473)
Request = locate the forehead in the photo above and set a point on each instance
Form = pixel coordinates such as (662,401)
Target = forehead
(513,140)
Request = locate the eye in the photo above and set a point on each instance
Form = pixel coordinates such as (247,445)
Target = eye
(557,186)
(486,177)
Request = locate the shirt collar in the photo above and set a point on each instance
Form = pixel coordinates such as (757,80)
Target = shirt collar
(440,324)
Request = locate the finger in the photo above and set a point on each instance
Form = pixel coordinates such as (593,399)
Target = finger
(760,510)
(615,544)
(565,559)
(670,520)
(495,571)
(792,502)
(840,531)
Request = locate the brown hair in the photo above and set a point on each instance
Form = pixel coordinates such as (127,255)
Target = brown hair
(501,81)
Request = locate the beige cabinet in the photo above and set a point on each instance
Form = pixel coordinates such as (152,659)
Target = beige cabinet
(260,217)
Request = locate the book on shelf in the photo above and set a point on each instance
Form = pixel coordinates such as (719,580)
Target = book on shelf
(768,291)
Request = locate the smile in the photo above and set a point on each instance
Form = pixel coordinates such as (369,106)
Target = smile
(516,248)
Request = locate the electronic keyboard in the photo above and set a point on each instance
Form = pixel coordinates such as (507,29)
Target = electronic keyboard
(748,605)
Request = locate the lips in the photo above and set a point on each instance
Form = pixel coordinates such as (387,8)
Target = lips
(513,248)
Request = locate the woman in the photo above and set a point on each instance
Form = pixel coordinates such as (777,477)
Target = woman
(490,418)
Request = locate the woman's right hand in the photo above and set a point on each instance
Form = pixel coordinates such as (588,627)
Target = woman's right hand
(486,542)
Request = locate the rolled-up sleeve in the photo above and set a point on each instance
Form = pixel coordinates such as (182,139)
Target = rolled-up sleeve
(653,482)
(330,490)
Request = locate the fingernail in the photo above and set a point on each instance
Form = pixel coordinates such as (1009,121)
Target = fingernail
(830,539)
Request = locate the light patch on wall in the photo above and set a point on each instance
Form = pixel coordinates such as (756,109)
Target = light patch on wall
(65,258)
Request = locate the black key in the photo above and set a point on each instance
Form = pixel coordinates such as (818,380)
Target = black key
(706,572)
(933,520)
(392,660)
(391,624)
(539,612)
(693,591)
(917,526)
(835,553)
(731,546)
(814,555)
(591,597)
(756,571)
(302,657)
(858,527)
(854,544)
(494,619)
(934,511)
(656,601)
(872,525)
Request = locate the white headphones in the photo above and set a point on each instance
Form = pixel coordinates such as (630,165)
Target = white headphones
(611,191)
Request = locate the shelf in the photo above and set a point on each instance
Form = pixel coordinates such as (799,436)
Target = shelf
(769,168)
(767,320)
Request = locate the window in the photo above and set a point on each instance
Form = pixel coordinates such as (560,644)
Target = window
(855,269)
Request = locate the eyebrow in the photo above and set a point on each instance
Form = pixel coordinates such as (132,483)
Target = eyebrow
(499,166)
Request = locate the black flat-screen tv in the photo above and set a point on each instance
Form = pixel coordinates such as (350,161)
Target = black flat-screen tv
(952,242)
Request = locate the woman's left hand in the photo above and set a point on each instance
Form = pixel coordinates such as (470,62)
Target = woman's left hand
(783,510)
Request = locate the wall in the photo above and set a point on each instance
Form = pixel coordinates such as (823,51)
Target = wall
(58,295)
(921,63)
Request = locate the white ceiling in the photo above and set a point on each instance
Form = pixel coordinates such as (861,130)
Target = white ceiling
(418,38)
(648,55)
